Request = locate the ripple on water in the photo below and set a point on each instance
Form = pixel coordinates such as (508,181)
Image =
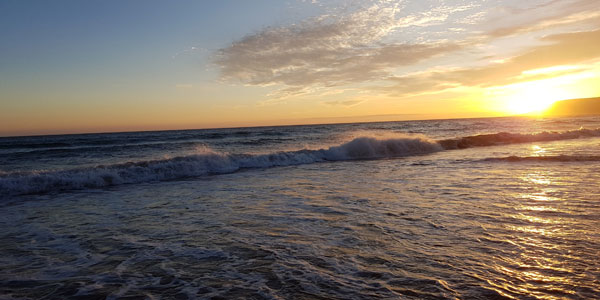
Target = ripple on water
(375,229)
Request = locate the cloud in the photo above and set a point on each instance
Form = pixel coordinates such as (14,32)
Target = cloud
(548,22)
(344,103)
(564,49)
(370,48)
(328,51)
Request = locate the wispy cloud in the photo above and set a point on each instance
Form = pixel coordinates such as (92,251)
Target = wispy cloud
(344,103)
(562,19)
(373,46)
(328,51)
(567,49)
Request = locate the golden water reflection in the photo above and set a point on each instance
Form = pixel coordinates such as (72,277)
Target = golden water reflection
(536,208)
(537,150)
(543,185)
(539,230)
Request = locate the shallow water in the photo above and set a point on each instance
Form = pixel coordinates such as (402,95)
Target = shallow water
(515,220)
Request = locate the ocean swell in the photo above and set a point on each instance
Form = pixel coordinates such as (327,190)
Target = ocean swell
(505,138)
(206,162)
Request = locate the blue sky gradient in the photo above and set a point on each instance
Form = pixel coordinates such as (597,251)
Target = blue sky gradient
(74,66)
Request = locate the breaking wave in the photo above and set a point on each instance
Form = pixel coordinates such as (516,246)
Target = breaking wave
(208,162)
(205,163)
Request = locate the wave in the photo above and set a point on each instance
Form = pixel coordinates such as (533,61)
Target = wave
(76,141)
(505,138)
(206,162)
(553,158)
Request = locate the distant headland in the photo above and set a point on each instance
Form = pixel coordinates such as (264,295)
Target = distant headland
(575,107)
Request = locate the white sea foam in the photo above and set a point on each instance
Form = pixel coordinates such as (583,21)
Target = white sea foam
(206,162)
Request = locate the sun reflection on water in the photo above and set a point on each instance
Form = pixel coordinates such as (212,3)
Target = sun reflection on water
(534,219)
(543,184)
(539,228)
(539,178)
(536,208)
(537,150)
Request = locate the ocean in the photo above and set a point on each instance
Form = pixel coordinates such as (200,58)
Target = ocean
(494,208)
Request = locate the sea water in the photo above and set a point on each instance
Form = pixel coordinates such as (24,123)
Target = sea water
(501,208)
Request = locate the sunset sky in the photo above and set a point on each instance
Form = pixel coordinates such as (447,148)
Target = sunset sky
(89,66)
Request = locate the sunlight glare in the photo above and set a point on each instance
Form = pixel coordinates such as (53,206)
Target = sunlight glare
(534,97)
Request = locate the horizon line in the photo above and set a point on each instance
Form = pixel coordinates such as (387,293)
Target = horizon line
(274,125)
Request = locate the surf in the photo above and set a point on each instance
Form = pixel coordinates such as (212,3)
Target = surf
(209,162)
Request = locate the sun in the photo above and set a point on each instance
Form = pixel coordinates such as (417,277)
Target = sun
(534,97)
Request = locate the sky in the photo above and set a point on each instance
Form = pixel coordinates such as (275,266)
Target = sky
(70,66)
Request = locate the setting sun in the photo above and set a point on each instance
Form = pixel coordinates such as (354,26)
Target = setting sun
(534,97)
